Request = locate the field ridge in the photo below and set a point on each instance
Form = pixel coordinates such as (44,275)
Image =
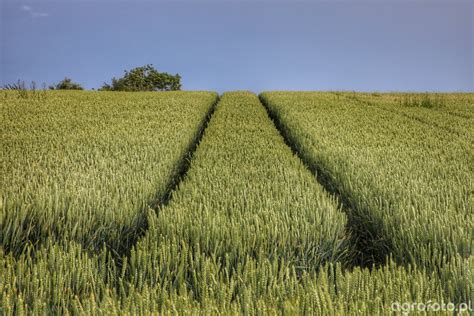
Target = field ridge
(413,117)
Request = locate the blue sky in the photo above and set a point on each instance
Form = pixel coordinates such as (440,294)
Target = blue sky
(252,45)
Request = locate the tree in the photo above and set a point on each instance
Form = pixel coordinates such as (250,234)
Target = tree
(145,78)
(66,84)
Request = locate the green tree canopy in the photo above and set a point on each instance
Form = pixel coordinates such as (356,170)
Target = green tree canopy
(66,84)
(145,78)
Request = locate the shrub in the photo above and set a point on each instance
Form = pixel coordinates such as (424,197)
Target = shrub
(66,84)
(145,78)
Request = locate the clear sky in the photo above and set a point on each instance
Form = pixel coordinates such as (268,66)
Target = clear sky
(252,45)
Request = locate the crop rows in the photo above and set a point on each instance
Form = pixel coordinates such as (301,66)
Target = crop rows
(248,230)
(86,167)
(409,184)
(60,281)
(246,195)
